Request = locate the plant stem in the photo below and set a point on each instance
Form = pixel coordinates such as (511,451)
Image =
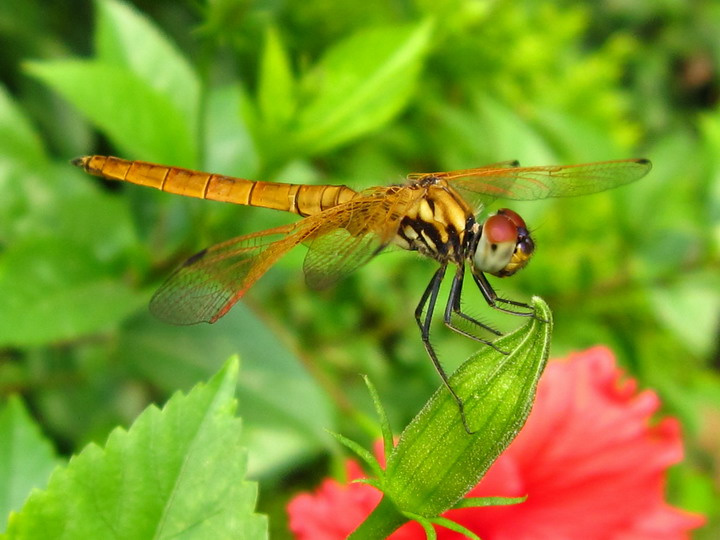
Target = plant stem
(381,523)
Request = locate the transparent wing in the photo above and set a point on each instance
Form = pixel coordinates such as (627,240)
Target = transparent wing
(209,283)
(528,183)
(362,228)
(340,239)
(474,171)
(336,254)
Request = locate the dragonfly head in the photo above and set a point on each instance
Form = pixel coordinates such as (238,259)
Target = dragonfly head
(504,246)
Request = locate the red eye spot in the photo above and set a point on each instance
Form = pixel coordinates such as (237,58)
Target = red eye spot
(513,216)
(500,228)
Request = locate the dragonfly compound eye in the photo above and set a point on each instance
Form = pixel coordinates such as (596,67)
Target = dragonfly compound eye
(499,229)
(513,216)
(505,245)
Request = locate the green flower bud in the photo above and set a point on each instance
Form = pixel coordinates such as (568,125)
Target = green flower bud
(436,462)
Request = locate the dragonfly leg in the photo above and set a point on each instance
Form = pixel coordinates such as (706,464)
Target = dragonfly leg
(429,299)
(494,300)
(453,306)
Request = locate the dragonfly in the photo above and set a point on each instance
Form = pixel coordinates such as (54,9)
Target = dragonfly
(435,214)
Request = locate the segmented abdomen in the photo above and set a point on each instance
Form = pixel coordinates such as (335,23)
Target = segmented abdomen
(300,199)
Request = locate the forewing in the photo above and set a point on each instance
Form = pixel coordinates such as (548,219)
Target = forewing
(529,183)
(209,283)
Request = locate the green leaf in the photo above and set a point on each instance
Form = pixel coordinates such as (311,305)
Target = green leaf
(710,128)
(140,121)
(178,472)
(26,457)
(124,37)
(574,138)
(18,140)
(360,84)
(456,527)
(436,461)
(96,220)
(388,442)
(690,307)
(55,291)
(278,431)
(427,526)
(481,502)
(512,136)
(363,454)
(369,481)
(228,145)
(276,85)
(505,134)
(58,200)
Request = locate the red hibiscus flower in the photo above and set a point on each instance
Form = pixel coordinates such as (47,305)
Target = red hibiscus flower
(590,460)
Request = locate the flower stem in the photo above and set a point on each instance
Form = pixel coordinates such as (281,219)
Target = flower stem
(383,521)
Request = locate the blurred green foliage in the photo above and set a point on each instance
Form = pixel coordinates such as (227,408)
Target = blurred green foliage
(361,94)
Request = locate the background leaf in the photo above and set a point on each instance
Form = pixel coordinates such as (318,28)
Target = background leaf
(135,116)
(65,279)
(699,296)
(124,37)
(276,84)
(360,84)
(26,457)
(17,137)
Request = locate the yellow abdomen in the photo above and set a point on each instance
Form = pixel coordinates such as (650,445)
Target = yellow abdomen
(300,199)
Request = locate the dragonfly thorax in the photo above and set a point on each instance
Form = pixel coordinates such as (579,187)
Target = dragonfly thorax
(436,224)
(502,246)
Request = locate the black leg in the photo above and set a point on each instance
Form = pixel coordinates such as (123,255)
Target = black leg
(429,299)
(493,299)
(453,306)
(432,288)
